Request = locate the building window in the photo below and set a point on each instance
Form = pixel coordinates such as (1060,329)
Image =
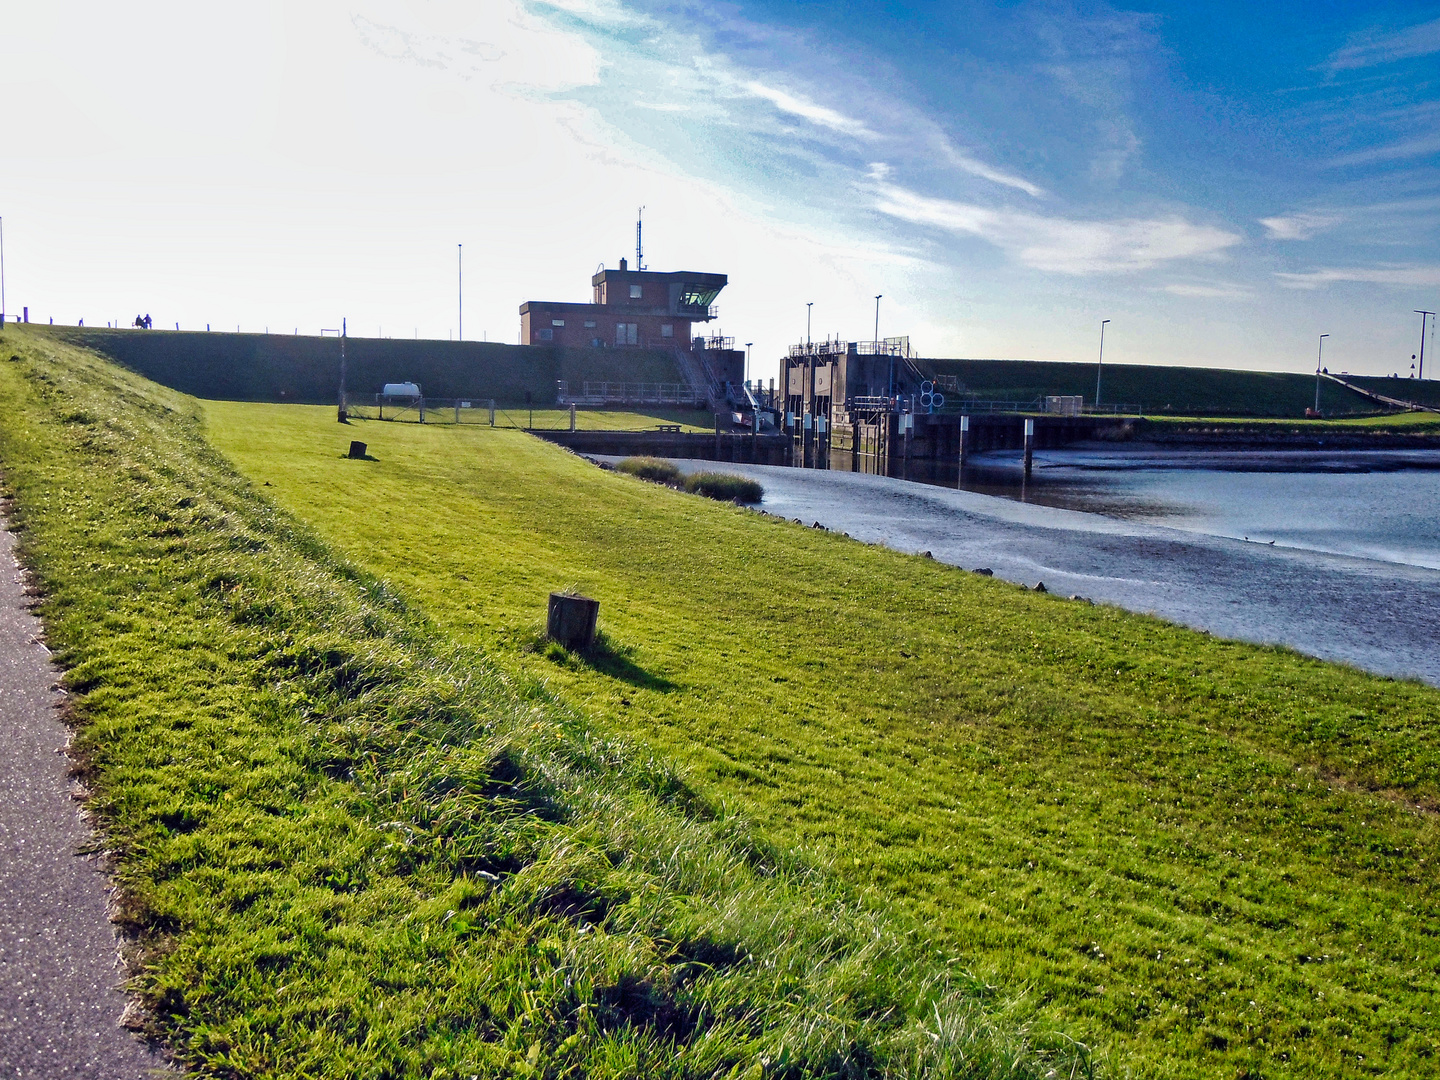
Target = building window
(589,324)
(627,333)
(557,322)
(636,292)
(667,330)
(545,334)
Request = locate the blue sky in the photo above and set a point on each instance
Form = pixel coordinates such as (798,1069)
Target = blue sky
(1224,182)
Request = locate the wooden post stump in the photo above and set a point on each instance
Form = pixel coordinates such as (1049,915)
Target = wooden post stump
(571,621)
(357,450)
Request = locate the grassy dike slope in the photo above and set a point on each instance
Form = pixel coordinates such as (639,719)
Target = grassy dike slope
(349,847)
(1211,858)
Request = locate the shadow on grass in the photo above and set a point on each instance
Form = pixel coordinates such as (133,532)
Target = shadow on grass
(607,658)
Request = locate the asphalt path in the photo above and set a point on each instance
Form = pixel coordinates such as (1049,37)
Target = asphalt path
(59,965)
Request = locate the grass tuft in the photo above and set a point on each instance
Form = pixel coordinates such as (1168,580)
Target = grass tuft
(656,470)
(726,487)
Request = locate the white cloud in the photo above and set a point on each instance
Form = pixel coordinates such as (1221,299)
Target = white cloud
(819,115)
(1062,245)
(966,163)
(1422,39)
(1404,276)
(1207,292)
(1300,226)
(1419,147)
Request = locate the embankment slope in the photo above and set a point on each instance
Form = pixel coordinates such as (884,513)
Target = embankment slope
(1210,858)
(347,845)
(1178,391)
(282,367)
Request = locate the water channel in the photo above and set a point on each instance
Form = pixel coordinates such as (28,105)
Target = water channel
(1334,554)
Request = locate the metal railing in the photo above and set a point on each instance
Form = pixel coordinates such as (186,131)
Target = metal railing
(891,346)
(628,393)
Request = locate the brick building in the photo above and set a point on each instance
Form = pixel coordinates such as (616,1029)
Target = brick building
(641,308)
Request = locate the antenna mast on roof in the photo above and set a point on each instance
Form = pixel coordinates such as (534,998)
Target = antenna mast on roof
(639,250)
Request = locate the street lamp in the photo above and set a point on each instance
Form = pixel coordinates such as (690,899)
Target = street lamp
(1100,366)
(1318,353)
(747,360)
(877,321)
(460,291)
(808,306)
(1423,316)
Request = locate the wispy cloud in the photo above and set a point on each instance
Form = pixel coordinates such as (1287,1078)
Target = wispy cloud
(1207,292)
(1405,276)
(803,107)
(1407,148)
(1062,245)
(968,164)
(1301,226)
(1422,39)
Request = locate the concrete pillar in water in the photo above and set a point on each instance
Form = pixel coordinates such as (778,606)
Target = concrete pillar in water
(1029,444)
(964,438)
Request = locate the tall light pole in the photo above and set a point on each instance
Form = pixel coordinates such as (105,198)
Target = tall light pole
(877,321)
(808,306)
(460,291)
(2,271)
(344,411)
(1423,316)
(1319,353)
(1100,366)
(747,360)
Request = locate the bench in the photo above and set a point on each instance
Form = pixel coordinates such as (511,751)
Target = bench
(668,427)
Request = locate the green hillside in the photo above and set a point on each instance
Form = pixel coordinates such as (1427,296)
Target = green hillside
(280,367)
(1205,858)
(1178,391)
(348,845)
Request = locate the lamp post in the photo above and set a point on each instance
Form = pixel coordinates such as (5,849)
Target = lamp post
(344,411)
(747,360)
(808,306)
(877,321)
(1319,353)
(1100,366)
(1423,316)
(2,271)
(460,291)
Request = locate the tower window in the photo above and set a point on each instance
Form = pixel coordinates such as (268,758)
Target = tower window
(636,291)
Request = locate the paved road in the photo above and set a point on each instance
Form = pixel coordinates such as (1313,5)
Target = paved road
(59,1009)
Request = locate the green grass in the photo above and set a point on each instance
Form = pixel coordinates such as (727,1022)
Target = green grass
(656,470)
(608,419)
(724,486)
(1210,858)
(1414,423)
(549,419)
(349,845)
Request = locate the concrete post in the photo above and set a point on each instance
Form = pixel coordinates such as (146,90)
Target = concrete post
(492,412)
(964,438)
(572,416)
(1029,444)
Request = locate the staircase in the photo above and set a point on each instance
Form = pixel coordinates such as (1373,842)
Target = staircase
(698,375)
